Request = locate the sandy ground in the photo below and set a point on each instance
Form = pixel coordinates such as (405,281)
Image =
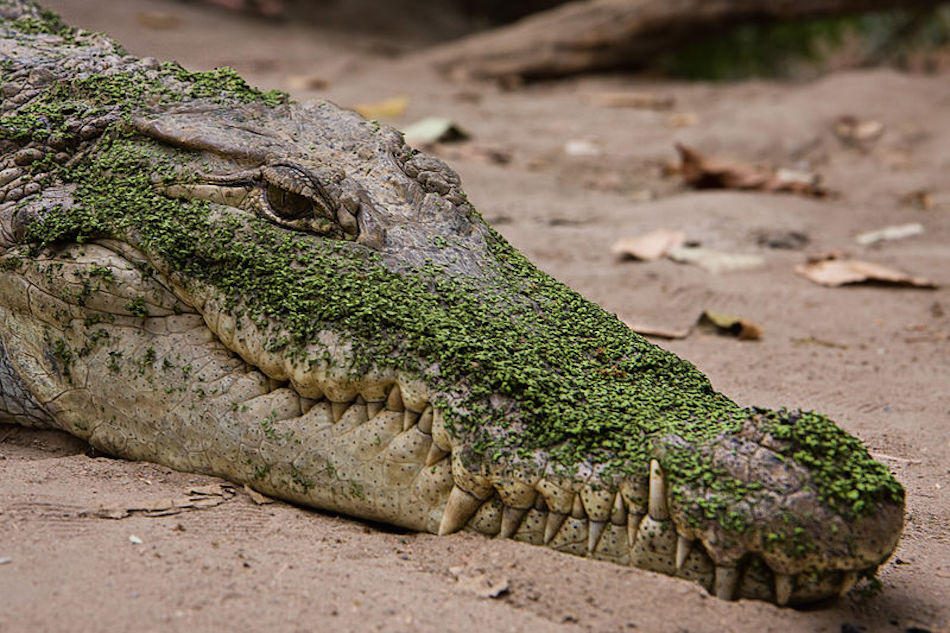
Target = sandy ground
(876,358)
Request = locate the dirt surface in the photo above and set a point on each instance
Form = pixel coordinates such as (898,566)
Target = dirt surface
(875,358)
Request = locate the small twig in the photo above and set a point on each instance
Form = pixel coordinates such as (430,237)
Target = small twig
(891,458)
(276,579)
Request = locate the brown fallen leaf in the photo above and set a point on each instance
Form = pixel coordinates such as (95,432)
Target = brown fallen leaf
(833,271)
(220,490)
(650,246)
(257,497)
(198,498)
(854,131)
(307,82)
(158,20)
(682,119)
(481,152)
(702,172)
(781,239)
(266,8)
(481,584)
(386,109)
(639,100)
(727,324)
(920,199)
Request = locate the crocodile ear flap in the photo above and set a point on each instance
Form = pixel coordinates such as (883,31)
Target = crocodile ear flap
(203,131)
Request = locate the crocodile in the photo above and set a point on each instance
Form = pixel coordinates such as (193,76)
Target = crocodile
(200,274)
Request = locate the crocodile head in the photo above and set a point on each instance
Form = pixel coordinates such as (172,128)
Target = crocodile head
(287,295)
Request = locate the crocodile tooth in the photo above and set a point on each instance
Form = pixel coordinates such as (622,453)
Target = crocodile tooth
(633,526)
(658,507)
(577,510)
(339,408)
(372,408)
(594,530)
(435,454)
(306,404)
(511,519)
(683,546)
(618,516)
(409,418)
(727,579)
(460,507)
(394,400)
(783,588)
(554,522)
(425,421)
(848,580)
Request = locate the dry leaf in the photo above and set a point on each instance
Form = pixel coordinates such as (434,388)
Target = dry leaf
(714,261)
(110,512)
(811,340)
(701,172)
(266,8)
(221,490)
(884,457)
(482,585)
(731,325)
(649,247)
(640,100)
(198,498)
(683,119)
(434,130)
(387,109)
(896,232)
(307,82)
(855,131)
(781,239)
(838,272)
(921,199)
(582,147)
(481,152)
(257,497)
(658,331)
(158,20)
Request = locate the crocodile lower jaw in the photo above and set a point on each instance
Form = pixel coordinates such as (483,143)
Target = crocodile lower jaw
(646,537)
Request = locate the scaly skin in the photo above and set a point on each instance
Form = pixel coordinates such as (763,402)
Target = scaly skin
(202,275)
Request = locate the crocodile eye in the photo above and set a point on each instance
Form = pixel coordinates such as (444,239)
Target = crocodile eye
(287,204)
